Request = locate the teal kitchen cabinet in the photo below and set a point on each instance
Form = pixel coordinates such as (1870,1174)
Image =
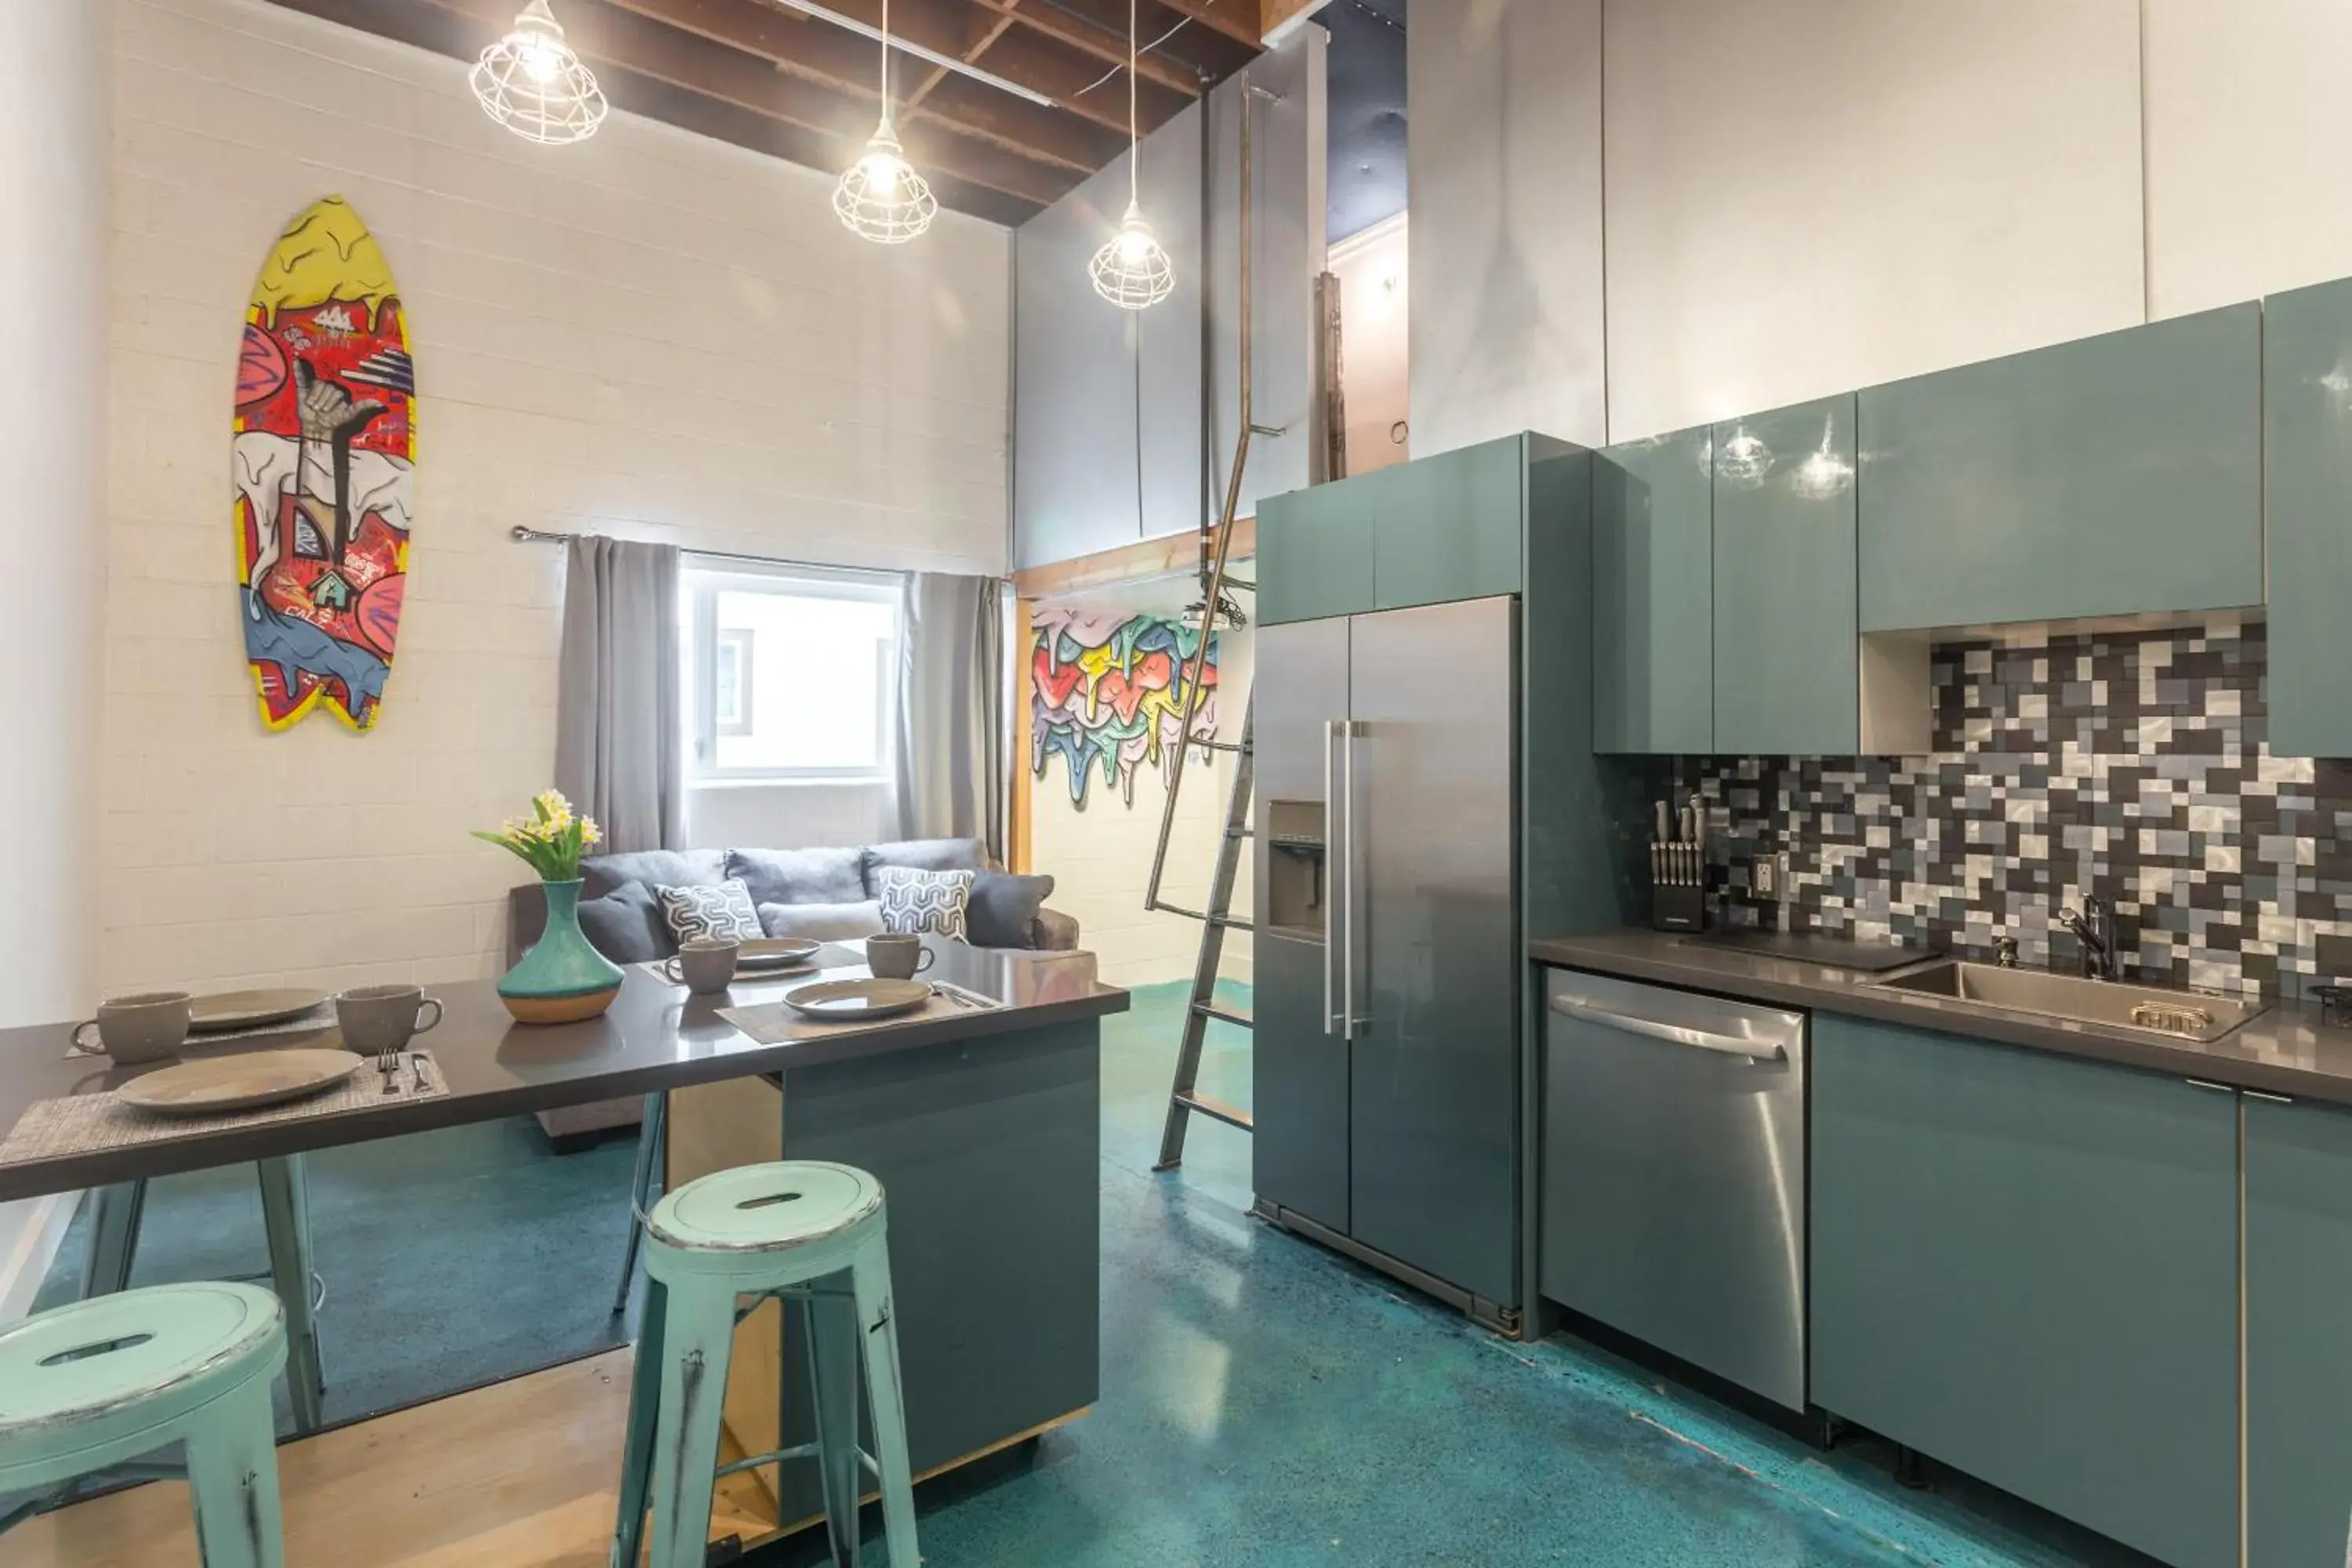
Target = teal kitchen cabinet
(2307,495)
(2298,1373)
(1450,526)
(2026,1265)
(1653,595)
(2119,474)
(1787,657)
(1315,552)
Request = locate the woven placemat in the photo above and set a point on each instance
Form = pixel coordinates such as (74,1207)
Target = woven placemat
(775,1023)
(321,1017)
(86,1123)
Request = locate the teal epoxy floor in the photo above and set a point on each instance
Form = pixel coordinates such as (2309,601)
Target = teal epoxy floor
(1264,1402)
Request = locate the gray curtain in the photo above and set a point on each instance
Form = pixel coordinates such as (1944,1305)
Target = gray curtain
(619,754)
(952,741)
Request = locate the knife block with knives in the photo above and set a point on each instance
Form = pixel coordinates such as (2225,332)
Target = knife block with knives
(1678,868)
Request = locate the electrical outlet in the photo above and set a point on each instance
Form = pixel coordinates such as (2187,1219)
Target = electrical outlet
(1764,876)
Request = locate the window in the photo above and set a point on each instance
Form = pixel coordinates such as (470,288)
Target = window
(789,675)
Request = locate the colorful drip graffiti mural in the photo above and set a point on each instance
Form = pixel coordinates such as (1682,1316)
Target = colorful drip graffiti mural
(1102,694)
(324,451)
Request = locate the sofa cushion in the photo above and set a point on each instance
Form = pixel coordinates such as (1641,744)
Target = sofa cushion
(924,855)
(724,910)
(801,876)
(1002,910)
(655,867)
(850,922)
(625,925)
(915,901)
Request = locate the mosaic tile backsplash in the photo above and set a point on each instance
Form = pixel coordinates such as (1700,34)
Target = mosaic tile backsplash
(2132,765)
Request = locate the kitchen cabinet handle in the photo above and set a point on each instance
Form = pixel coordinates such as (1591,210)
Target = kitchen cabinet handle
(2273,1098)
(2201,1083)
(1335,873)
(1673,1033)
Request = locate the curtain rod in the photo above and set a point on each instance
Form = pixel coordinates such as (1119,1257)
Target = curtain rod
(522,535)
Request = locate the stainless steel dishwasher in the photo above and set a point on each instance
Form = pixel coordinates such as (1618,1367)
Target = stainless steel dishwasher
(1673,1175)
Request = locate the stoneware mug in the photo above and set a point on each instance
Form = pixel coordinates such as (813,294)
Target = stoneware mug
(146,1027)
(704,965)
(897,957)
(376,1018)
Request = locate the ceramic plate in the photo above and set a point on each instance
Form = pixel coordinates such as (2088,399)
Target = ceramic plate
(843,1001)
(239,1082)
(775,953)
(250,1009)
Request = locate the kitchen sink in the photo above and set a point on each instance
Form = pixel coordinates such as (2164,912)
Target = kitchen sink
(2149,1009)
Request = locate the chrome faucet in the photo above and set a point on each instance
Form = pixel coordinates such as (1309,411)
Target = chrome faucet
(2094,930)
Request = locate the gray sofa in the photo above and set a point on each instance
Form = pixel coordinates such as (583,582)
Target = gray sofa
(828,894)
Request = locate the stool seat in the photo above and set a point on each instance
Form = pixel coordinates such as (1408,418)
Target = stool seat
(766,1209)
(117,1377)
(97,1370)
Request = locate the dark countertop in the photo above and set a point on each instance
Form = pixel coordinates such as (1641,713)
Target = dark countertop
(2286,1050)
(656,1037)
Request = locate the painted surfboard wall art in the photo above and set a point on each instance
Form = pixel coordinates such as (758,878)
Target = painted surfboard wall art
(324,453)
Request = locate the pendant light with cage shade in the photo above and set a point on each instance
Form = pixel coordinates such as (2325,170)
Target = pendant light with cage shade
(1132,272)
(531,82)
(880,196)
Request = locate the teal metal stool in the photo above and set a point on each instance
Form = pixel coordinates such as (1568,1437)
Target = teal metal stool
(784,1230)
(99,1381)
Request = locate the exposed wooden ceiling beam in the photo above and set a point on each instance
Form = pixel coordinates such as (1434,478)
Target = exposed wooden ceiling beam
(1273,14)
(1236,19)
(1100,42)
(610,34)
(988,29)
(833,59)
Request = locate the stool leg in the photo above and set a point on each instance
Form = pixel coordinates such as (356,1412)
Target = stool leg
(879,1319)
(700,1340)
(641,1192)
(282,1218)
(113,1238)
(645,1410)
(829,1338)
(233,1481)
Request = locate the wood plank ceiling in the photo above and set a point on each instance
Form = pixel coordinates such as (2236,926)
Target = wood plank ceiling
(766,75)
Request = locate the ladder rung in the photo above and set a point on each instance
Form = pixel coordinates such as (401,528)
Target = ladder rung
(1226,920)
(1221,745)
(1231,1115)
(1241,1015)
(1241,833)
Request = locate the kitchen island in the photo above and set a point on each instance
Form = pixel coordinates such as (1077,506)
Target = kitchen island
(982,1124)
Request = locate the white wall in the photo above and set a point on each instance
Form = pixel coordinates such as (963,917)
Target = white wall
(651,334)
(1100,856)
(55,71)
(1804,197)
(1375,281)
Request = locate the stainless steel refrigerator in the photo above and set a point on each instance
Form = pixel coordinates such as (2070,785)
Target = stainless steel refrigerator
(1387,950)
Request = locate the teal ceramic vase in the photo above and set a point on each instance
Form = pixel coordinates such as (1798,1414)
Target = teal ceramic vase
(562,979)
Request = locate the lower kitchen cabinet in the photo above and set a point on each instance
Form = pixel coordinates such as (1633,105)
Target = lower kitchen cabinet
(2298,1373)
(2026,1266)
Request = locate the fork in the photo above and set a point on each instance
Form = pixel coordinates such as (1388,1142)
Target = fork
(387,1062)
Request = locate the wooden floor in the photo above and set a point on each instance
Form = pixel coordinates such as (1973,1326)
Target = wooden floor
(520,1474)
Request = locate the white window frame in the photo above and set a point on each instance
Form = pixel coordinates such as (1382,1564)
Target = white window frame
(701,582)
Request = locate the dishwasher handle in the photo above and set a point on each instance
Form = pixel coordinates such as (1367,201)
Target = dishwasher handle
(1673,1033)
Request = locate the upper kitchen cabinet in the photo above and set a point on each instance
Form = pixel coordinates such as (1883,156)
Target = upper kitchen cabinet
(1430,531)
(1787,657)
(2026,1266)
(1653,595)
(2307,492)
(1450,526)
(1315,552)
(2119,474)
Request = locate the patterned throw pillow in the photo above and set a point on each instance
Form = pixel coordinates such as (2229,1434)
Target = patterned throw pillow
(724,910)
(916,901)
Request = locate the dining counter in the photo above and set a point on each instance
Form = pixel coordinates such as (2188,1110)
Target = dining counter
(983,1124)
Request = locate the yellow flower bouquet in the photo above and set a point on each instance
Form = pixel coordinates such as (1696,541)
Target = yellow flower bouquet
(551,840)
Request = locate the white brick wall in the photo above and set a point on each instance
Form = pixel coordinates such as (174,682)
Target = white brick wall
(651,334)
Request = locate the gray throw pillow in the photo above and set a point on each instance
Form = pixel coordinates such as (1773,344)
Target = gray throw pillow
(915,902)
(801,876)
(625,925)
(1003,907)
(654,867)
(724,910)
(924,855)
(823,922)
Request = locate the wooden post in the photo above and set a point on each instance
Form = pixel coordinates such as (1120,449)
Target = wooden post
(1020,833)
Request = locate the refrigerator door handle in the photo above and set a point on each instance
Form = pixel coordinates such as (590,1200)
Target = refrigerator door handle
(1335,910)
(1673,1033)
(1359,876)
